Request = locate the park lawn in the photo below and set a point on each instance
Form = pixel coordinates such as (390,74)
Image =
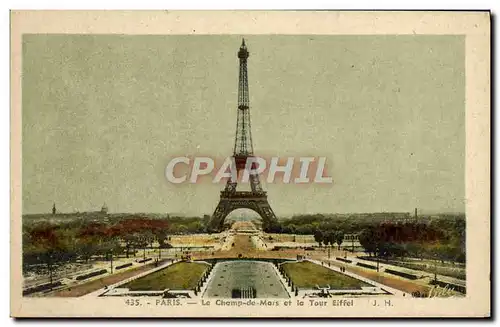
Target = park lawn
(307,275)
(193,240)
(280,238)
(178,276)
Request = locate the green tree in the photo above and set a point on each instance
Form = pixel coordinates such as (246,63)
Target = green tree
(182,229)
(339,238)
(368,241)
(48,244)
(318,236)
(330,238)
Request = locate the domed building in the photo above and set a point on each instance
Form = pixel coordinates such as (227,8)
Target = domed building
(104,208)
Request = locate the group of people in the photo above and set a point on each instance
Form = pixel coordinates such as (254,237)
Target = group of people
(342,269)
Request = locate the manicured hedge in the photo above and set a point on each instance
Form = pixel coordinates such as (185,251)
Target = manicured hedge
(402,274)
(366,265)
(124,265)
(144,260)
(92,274)
(41,288)
(344,260)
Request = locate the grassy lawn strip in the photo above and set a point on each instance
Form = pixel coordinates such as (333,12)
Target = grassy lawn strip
(307,275)
(94,285)
(179,276)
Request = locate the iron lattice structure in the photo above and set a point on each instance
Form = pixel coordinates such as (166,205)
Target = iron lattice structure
(230,198)
(243,145)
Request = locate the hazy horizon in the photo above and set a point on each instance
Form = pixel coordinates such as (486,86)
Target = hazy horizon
(244,212)
(103,114)
(232,215)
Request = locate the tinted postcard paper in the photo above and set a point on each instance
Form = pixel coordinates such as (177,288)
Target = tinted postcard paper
(250,164)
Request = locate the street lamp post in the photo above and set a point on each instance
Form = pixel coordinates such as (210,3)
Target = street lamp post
(50,270)
(111,261)
(435,268)
(377,254)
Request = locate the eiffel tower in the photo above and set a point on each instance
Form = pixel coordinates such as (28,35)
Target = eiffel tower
(230,198)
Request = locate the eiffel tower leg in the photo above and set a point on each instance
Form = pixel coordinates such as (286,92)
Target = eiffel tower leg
(217,221)
(269,219)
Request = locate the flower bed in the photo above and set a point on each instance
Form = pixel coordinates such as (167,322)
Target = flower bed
(41,288)
(124,265)
(364,265)
(92,274)
(401,274)
(344,260)
(144,260)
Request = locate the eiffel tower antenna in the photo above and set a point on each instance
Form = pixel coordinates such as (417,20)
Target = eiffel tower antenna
(230,198)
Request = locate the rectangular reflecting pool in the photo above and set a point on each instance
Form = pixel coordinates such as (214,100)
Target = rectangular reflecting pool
(245,279)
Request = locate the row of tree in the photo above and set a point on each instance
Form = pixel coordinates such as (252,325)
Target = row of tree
(416,240)
(375,238)
(442,237)
(330,237)
(51,243)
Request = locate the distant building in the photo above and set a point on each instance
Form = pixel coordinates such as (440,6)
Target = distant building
(351,237)
(104,208)
(351,242)
(100,216)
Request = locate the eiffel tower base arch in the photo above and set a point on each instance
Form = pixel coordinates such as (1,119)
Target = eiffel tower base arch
(228,204)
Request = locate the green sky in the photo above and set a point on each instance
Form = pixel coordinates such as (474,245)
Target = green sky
(102,115)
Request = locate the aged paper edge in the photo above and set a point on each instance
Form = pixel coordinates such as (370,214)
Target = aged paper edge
(474,25)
